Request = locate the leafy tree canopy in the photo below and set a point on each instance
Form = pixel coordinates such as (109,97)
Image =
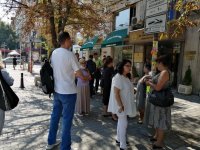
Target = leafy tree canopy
(7,36)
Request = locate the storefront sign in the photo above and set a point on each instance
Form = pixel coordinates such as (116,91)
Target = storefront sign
(138,57)
(139,36)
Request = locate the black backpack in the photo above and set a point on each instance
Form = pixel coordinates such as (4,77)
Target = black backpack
(47,80)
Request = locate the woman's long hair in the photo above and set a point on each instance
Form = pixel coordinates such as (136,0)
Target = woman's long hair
(107,62)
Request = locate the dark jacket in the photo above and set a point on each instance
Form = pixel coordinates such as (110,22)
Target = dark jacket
(107,82)
(91,66)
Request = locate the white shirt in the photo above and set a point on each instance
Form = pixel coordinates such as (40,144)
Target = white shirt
(64,64)
(126,93)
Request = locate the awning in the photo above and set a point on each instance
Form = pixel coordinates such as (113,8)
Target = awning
(89,44)
(115,38)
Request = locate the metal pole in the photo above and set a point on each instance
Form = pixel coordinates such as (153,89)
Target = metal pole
(31,58)
(41,52)
(154,52)
(22,81)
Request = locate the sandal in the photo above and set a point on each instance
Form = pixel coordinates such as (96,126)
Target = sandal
(154,146)
(152,139)
(140,122)
(114,119)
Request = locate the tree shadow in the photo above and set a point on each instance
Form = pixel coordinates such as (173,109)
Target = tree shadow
(190,98)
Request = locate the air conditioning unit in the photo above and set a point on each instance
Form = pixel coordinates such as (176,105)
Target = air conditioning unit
(184,89)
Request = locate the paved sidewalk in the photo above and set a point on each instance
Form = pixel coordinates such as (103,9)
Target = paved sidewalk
(26,127)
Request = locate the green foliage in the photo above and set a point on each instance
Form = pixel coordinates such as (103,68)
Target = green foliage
(8,36)
(187,80)
(185,9)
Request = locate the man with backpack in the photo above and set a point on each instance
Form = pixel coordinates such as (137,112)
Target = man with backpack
(91,66)
(64,64)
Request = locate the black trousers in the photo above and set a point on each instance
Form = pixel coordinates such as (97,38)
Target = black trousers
(91,83)
(96,84)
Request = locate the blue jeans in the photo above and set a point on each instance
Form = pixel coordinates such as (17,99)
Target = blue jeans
(63,104)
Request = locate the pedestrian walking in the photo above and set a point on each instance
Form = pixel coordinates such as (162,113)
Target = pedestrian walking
(64,64)
(122,101)
(106,81)
(83,91)
(14,62)
(77,56)
(97,74)
(10,82)
(160,117)
(141,93)
(91,66)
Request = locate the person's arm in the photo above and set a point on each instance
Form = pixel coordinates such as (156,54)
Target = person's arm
(118,99)
(76,67)
(117,90)
(9,80)
(143,79)
(79,74)
(163,78)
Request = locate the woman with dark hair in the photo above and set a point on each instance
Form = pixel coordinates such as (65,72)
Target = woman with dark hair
(106,83)
(141,93)
(122,101)
(160,117)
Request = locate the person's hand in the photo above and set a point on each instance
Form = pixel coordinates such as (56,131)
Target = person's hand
(121,109)
(89,77)
(148,82)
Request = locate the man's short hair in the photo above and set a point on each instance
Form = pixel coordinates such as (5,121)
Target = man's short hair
(95,53)
(91,56)
(62,37)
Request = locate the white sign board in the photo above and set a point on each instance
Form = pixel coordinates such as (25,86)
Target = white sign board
(157,10)
(155,3)
(156,24)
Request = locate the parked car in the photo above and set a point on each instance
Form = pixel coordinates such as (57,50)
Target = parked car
(9,60)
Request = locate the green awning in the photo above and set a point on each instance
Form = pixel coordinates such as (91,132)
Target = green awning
(89,44)
(115,38)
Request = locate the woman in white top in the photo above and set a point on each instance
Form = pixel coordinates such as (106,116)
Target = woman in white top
(122,101)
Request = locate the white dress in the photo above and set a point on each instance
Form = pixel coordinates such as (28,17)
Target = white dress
(126,93)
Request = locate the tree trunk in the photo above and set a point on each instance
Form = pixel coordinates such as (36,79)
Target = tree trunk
(52,25)
(60,20)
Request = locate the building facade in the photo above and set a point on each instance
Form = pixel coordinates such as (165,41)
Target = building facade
(137,46)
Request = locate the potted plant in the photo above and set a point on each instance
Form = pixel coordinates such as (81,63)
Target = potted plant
(186,86)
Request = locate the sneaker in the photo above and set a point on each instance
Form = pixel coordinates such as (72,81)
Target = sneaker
(53,145)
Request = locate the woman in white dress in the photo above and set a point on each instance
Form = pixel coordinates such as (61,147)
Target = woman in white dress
(122,101)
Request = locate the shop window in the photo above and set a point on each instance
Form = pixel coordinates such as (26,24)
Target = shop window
(122,19)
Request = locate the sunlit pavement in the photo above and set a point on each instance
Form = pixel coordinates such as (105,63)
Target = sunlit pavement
(26,127)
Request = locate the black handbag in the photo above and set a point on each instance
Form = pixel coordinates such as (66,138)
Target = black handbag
(163,98)
(8,98)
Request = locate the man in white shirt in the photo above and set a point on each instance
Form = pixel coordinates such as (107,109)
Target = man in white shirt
(64,64)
